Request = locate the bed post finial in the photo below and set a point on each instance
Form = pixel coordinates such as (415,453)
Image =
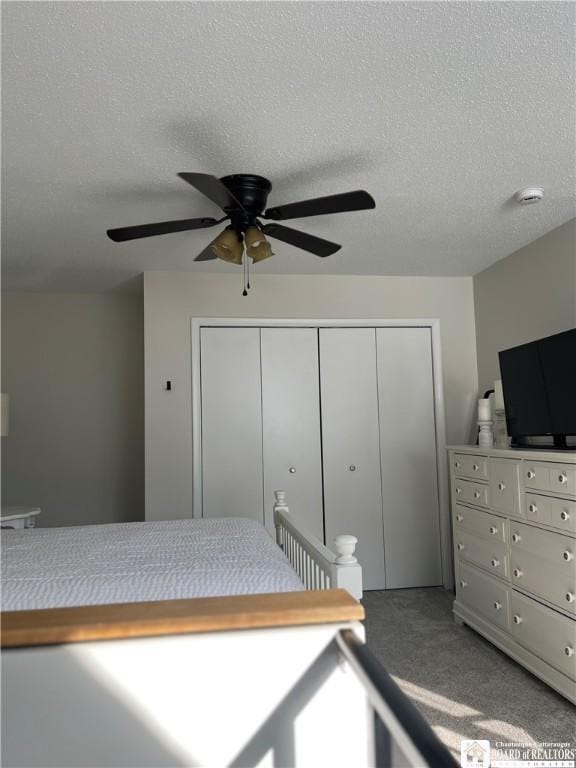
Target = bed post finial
(345,544)
(280,498)
(280,505)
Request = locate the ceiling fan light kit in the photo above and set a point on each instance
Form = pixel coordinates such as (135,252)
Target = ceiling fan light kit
(243,198)
(228,246)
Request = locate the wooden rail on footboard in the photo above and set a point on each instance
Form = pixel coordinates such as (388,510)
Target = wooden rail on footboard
(316,565)
(173,617)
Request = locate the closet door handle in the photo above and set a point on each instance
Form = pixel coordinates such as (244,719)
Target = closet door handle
(352,468)
(292,470)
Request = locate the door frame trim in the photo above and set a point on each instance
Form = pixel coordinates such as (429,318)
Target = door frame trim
(196,323)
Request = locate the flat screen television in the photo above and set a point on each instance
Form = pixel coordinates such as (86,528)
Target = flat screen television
(539,385)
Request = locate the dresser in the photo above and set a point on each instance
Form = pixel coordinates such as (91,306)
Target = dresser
(514,529)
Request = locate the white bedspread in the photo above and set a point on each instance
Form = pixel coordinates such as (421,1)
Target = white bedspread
(132,562)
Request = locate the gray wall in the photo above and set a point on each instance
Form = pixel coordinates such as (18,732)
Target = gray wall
(171,299)
(527,295)
(73,367)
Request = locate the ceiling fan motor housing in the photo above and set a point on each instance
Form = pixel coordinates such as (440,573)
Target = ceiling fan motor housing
(252,192)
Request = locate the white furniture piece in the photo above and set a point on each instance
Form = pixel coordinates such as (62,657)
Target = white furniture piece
(346,417)
(19,517)
(170,560)
(514,524)
(281,679)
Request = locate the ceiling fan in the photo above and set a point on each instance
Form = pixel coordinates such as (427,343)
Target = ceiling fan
(243,199)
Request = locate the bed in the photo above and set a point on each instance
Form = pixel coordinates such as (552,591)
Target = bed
(114,630)
(169,560)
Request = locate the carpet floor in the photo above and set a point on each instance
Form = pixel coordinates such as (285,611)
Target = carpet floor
(464,686)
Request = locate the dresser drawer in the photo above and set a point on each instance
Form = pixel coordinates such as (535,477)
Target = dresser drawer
(558,550)
(560,513)
(484,595)
(490,555)
(505,486)
(481,523)
(546,476)
(470,465)
(549,635)
(473,493)
(544,563)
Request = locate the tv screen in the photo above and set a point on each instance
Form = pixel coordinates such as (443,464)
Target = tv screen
(539,384)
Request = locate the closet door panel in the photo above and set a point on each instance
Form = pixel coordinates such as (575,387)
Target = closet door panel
(408,454)
(352,488)
(231,423)
(291,424)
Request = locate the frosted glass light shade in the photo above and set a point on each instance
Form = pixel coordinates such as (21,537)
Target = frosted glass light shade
(257,247)
(228,246)
(4,414)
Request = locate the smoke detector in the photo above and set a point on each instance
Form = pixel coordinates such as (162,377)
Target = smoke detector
(529,195)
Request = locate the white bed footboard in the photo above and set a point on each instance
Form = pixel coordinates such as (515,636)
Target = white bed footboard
(315,564)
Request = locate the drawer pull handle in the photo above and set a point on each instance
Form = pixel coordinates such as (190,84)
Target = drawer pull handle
(460,547)
(530,474)
(501,486)
(532,508)
(517,573)
(495,563)
(517,619)
(463,584)
(567,555)
(475,467)
(564,515)
(570,597)
(516,537)
(352,468)
(562,478)
(459,518)
(476,494)
(457,464)
(498,605)
(458,491)
(493,530)
(292,470)
(568,650)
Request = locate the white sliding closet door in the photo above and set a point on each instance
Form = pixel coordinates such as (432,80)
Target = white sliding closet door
(409,462)
(291,424)
(350,434)
(231,423)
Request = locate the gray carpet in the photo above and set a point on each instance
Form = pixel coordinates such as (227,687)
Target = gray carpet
(463,685)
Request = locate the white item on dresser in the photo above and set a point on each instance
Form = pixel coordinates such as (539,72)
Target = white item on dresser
(515,555)
(19,517)
(485,435)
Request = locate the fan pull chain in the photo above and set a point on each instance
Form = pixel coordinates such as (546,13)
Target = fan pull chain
(244,270)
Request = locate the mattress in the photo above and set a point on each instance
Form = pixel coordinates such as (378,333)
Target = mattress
(133,562)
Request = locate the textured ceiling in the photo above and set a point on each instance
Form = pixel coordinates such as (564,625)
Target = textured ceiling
(441,110)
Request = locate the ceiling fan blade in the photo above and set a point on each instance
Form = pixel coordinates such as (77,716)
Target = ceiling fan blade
(161,228)
(346,201)
(213,188)
(315,245)
(207,254)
